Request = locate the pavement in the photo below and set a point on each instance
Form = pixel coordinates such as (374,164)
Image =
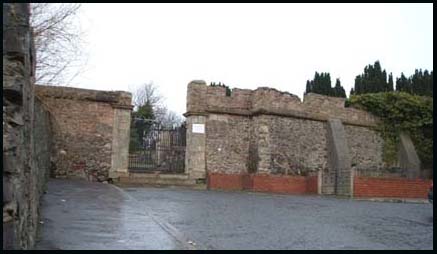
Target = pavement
(84,215)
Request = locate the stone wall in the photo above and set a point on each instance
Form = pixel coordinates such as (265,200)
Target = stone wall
(293,151)
(205,99)
(91,130)
(26,133)
(42,145)
(268,132)
(227,143)
(273,132)
(366,147)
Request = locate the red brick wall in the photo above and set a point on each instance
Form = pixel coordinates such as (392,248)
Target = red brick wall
(390,187)
(247,181)
(312,184)
(225,181)
(280,184)
(363,186)
(263,183)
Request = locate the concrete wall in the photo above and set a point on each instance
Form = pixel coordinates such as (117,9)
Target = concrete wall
(91,131)
(269,132)
(26,133)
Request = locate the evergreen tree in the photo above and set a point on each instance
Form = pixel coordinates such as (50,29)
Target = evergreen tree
(390,83)
(321,84)
(339,90)
(420,83)
(403,84)
(141,124)
(308,87)
(145,111)
(373,80)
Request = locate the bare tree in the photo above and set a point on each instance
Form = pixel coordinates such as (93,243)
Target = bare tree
(58,42)
(148,94)
(171,119)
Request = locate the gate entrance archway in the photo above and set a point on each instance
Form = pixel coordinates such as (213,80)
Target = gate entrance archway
(154,148)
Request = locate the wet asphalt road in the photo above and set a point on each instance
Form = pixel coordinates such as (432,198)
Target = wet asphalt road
(80,215)
(89,216)
(244,220)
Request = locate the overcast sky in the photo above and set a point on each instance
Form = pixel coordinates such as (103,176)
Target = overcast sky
(249,45)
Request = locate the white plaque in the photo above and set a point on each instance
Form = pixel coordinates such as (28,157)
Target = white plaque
(198,128)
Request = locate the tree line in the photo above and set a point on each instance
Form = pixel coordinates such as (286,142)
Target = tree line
(321,84)
(420,83)
(374,79)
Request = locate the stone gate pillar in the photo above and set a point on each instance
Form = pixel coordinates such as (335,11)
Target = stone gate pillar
(195,163)
(120,136)
(195,159)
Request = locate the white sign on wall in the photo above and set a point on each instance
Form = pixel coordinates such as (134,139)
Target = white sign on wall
(198,128)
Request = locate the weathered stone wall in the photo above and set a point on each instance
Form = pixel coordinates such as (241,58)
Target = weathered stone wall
(272,132)
(90,129)
(265,144)
(293,151)
(26,133)
(42,145)
(205,99)
(268,132)
(227,143)
(366,147)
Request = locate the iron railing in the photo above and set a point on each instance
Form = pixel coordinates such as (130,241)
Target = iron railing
(156,148)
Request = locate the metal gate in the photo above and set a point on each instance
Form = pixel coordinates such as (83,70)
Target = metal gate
(155,148)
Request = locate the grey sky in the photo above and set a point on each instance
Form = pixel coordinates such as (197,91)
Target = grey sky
(249,45)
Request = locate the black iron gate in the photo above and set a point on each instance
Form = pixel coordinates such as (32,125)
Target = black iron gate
(156,148)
